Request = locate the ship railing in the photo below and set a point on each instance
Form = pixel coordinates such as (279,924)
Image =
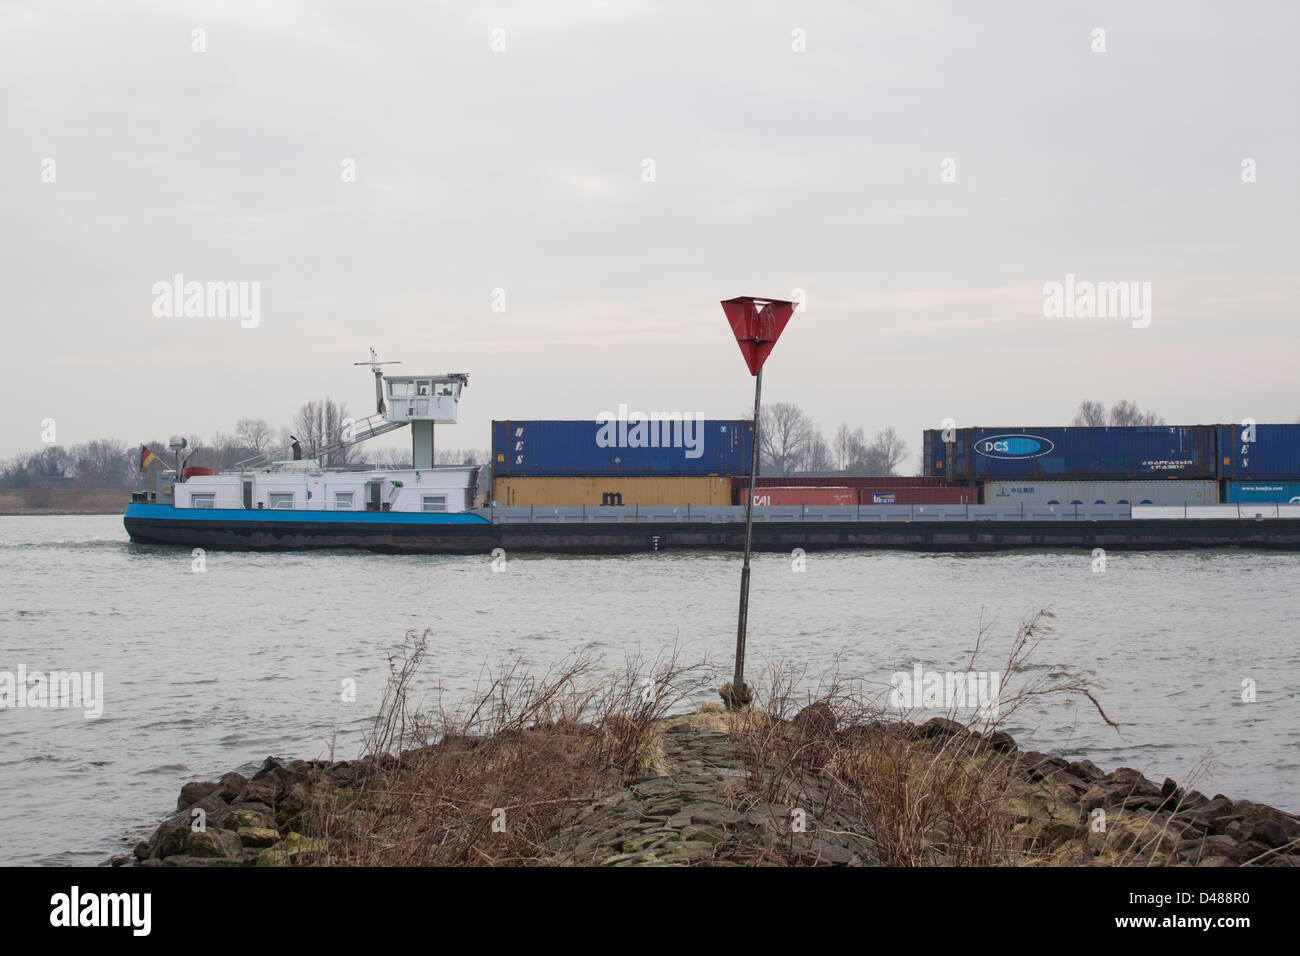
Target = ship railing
(615,514)
(1245,511)
(364,429)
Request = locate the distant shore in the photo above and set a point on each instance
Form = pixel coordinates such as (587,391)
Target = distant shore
(63,501)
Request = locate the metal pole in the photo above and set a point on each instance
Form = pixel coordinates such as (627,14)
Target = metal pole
(738,679)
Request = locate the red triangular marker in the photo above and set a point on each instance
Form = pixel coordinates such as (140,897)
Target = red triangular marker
(757,324)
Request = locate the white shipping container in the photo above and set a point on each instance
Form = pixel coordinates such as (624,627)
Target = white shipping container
(1157,492)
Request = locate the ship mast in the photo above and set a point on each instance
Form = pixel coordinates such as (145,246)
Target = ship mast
(375,364)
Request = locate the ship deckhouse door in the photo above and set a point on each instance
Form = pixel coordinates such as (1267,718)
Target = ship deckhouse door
(248,494)
(372,494)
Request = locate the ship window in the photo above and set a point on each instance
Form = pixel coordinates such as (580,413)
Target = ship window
(1099,502)
(1053,502)
(422,389)
(280,502)
(1124,501)
(203,501)
(399,389)
(343,500)
(435,502)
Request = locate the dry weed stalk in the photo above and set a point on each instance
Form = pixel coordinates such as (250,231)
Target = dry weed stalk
(931,796)
(491,783)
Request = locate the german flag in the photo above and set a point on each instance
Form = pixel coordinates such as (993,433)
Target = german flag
(147,458)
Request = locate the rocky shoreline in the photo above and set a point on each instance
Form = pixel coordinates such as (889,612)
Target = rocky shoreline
(705,803)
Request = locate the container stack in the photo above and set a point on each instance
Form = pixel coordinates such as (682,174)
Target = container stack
(855,490)
(681,463)
(673,462)
(1134,465)
(1264,470)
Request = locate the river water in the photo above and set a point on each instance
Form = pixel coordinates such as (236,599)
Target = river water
(212,671)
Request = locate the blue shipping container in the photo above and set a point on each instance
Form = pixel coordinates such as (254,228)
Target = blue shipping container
(1269,452)
(1257,492)
(1158,451)
(621,447)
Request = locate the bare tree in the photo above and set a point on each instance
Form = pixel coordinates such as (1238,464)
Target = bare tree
(784,433)
(255,435)
(390,457)
(104,462)
(1126,412)
(855,452)
(53,462)
(1090,414)
(818,458)
(194,444)
(309,427)
(319,424)
(460,456)
(1122,413)
(888,450)
(842,446)
(335,415)
(224,450)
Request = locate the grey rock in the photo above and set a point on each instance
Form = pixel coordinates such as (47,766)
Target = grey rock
(1001,741)
(816,719)
(1086,770)
(195,791)
(230,786)
(941,727)
(213,843)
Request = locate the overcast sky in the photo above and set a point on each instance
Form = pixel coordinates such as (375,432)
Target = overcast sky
(775,169)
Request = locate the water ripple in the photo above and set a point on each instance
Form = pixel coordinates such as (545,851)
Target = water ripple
(205,673)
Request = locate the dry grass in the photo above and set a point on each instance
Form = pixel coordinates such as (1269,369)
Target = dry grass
(490,784)
(927,798)
(494,782)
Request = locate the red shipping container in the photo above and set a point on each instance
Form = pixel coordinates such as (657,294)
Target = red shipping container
(802,496)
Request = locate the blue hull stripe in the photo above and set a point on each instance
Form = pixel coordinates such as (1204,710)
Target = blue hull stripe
(263,516)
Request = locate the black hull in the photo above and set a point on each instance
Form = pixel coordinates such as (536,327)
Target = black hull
(782,537)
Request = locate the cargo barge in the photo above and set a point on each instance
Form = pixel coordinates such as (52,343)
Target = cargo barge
(634,503)
(595,531)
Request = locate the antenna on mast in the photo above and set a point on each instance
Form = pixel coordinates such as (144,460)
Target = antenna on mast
(375,364)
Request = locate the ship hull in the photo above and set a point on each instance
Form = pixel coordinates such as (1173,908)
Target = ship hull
(472,534)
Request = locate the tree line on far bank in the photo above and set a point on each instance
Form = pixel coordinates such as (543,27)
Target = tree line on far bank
(1123,413)
(112,463)
(791,443)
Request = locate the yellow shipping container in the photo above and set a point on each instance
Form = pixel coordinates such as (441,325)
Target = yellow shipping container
(571,492)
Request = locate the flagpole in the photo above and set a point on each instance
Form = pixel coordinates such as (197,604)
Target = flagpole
(738,679)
